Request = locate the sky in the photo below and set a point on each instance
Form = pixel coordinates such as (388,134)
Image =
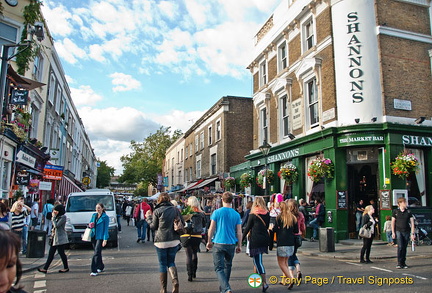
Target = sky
(136,65)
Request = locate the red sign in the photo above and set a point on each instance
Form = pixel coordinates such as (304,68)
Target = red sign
(53,172)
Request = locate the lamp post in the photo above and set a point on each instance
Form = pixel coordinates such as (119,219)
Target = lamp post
(265,149)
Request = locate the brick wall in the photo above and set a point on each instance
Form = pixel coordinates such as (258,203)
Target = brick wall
(294,49)
(273,123)
(406,75)
(256,82)
(272,68)
(328,87)
(323,25)
(403,16)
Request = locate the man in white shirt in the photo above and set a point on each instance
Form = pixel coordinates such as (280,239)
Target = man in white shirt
(34,214)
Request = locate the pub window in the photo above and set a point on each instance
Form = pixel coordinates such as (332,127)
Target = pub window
(308,35)
(264,128)
(312,103)
(284,123)
(263,73)
(282,56)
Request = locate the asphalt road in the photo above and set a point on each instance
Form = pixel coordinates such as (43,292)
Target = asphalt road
(133,267)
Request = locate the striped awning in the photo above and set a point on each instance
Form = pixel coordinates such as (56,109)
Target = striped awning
(66,186)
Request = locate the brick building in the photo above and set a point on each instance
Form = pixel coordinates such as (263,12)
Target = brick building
(347,80)
(221,138)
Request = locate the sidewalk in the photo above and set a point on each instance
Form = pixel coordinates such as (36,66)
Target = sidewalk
(346,249)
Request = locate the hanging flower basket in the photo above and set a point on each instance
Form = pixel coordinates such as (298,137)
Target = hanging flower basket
(289,173)
(320,168)
(229,182)
(245,180)
(264,173)
(404,164)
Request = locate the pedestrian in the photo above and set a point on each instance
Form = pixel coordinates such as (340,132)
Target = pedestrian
(18,222)
(207,211)
(402,223)
(47,216)
(191,240)
(370,222)
(388,230)
(34,214)
(285,228)
(225,237)
(118,214)
(167,240)
(10,265)
(359,214)
(5,217)
(318,218)
(275,211)
(128,212)
(302,209)
(259,239)
(99,224)
(150,231)
(140,219)
(58,240)
(293,261)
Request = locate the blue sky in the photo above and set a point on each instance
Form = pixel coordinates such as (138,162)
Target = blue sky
(136,65)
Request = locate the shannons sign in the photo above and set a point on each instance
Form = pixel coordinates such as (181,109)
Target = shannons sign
(284,155)
(417,140)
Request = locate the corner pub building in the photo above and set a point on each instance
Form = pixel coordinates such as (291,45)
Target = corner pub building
(347,80)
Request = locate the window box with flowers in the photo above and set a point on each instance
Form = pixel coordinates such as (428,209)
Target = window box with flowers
(289,173)
(245,180)
(320,168)
(404,164)
(267,173)
(229,182)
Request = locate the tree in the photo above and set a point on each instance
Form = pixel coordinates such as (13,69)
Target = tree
(146,160)
(104,175)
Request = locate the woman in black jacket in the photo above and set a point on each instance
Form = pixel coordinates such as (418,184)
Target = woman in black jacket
(370,222)
(258,223)
(285,228)
(166,240)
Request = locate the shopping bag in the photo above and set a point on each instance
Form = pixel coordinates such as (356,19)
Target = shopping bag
(87,235)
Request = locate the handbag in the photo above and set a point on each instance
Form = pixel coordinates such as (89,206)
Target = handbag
(178,224)
(298,241)
(87,235)
(365,232)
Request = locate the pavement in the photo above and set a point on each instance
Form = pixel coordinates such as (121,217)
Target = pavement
(345,249)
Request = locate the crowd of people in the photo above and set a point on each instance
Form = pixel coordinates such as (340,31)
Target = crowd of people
(170,226)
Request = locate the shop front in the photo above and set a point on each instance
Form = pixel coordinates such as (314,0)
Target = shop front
(359,160)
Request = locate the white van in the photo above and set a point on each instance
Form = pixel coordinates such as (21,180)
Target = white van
(80,207)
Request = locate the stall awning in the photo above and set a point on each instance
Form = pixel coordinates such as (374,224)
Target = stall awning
(204,183)
(23,81)
(67,186)
(189,186)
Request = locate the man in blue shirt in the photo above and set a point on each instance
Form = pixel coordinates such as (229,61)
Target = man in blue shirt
(225,237)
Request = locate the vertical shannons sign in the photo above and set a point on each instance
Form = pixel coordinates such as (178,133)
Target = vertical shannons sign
(357,67)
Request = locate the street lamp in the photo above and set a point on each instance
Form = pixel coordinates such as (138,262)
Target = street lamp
(265,149)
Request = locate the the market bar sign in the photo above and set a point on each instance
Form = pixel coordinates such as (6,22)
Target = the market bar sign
(53,172)
(360,139)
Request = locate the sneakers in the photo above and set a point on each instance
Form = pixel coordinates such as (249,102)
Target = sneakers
(99,271)
(139,239)
(398,266)
(93,274)
(404,266)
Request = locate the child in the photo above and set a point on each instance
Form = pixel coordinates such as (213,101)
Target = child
(388,230)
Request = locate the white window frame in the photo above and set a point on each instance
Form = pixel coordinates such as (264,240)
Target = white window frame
(282,56)
(263,73)
(284,116)
(52,89)
(308,36)
(38,67)
(210,135)
(196,143)
(218,129)
(312,103)
(198,168)
(263,125)
(202,140)
(214,155)
(58,99)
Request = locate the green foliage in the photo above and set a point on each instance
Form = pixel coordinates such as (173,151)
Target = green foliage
(146,159)
(141,190)
(104,175)
(31,14)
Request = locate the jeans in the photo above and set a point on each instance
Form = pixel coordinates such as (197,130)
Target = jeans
(293,259)
(389,236)
(223,255)
(402,241)
(258,263)
(314,224)
(61,252)
(166,257)
(366,249)
(48,226)
(97,256)
(142,229)
(119,222)
(358,220)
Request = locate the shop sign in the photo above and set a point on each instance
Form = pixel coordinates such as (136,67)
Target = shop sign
(360,139)
(53,172)
(22,178)
(25,159)
(45,185)
(296,114)
(417,140)
(284,156)
(402,104)
(19,97)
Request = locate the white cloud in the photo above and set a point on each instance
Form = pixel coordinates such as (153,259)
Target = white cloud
(84,95)
(69,50)
(111,151)
(124,82)
(58,20)
(177,119)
